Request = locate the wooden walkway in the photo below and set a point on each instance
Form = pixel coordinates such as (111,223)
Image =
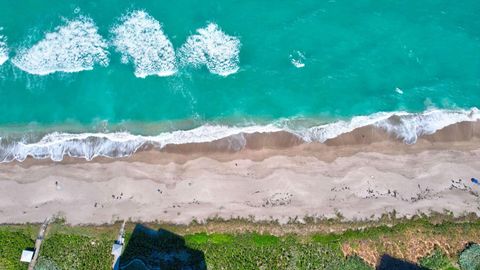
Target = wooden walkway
(38,243)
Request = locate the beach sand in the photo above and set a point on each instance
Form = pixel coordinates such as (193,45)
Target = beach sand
(359,176)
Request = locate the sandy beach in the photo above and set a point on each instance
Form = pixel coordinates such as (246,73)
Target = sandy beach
(359,175)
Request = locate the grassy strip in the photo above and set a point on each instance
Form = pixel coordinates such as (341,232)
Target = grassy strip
(410,241)
(433,246)
(13,240)
(256,251)
(78,247)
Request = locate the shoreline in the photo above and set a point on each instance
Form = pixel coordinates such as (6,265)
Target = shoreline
(407,128)
(356,176)
(461,136)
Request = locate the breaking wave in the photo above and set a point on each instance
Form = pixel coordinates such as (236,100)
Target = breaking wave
(73,47)
(3,49)
(297,59)
(120,144)
(406,126)
(213,48)
(140,39)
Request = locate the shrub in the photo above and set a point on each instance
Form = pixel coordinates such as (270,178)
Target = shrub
(45,264)
(356,263)
(12,244)
(72,251)
(438,260)
(470,258)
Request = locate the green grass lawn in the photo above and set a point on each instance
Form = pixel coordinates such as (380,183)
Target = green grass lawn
(435,247)
(14,239)
(255,251)
(79,247)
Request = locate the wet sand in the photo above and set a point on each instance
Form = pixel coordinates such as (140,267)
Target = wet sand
(359,175)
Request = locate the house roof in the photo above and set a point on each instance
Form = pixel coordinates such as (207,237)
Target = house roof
(27,256)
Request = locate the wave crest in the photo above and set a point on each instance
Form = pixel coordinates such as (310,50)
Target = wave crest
(3,49)
(140,39)
(213,48)
(90,145)
(406,126)
(73,47)
(409,127)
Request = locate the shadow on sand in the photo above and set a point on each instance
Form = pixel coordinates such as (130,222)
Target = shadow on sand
(390,263)
(150,249)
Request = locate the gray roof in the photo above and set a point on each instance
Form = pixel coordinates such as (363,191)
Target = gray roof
(27,256)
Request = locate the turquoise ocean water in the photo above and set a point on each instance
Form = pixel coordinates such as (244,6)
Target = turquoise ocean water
(103,77)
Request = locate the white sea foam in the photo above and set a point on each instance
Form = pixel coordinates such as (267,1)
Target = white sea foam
(90,145)
(297,59)
(213,48)
(324,132)
(409,126)
(140,39)
(73,47)
(298,63)
(406,126)
(3,49)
